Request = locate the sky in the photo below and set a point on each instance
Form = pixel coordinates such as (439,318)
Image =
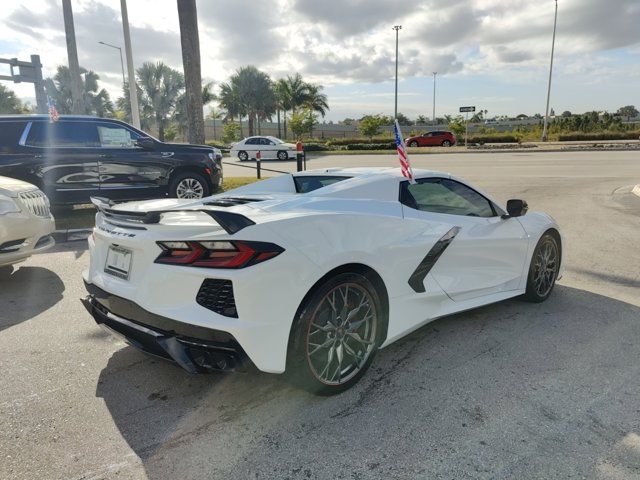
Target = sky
(493,54)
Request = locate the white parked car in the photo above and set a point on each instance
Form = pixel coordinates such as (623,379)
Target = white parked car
(271,148)
(26,224)
(311,272)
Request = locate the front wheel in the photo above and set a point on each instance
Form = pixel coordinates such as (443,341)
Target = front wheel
(336,335)
(283,156)
(543,270)
(413,144)
(243,156)
(446,143)
(189,185)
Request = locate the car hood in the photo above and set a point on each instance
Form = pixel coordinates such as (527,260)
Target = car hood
(10,186)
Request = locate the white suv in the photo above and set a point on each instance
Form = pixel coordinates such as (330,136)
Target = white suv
(26,224)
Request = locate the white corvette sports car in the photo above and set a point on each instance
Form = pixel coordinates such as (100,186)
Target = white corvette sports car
(312,272)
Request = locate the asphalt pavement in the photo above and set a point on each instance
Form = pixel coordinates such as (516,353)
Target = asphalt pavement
(508,391)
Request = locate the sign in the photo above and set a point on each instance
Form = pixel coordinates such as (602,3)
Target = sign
(467,109)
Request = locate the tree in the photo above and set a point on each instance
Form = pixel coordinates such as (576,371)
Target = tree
(280,90)
(628,111)
(180,116)
(161,87)
(9,103)
(254,93)
(124,106)
(422,120)
(566,114)
(189,39)
(369,125)
(231,133)
(522,116)
(95,101)
(457,125)
(403,119)
(302,122)
(316,101)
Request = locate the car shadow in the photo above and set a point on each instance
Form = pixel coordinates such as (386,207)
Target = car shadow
(485,391)
(27,292)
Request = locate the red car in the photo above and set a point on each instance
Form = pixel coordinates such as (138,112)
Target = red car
(432,139)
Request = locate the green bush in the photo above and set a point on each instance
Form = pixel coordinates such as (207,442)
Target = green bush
(315,147)
(594,136)
(489,138)
(349,141)
(372,146)
(217,145)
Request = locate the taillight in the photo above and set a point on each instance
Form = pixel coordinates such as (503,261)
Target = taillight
(217,254)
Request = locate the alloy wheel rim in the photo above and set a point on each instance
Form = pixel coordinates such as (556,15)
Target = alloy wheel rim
(342,333)
(189,188)
(545,267)
(282,156)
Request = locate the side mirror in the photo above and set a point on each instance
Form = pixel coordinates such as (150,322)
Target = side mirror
(516,208)
(145,143)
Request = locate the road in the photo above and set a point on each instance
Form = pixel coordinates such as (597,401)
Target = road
(512,390)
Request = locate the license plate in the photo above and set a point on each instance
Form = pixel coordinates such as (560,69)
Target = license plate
(118,262)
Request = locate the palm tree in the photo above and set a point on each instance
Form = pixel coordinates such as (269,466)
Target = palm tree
(161,87)
(95,100)
(229,99)
(124,105)
(316,100)
(189,39)
(9,103)
(255,94)
(280,88)
(180,116)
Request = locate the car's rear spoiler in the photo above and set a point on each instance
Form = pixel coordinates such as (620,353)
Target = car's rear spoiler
(230,222)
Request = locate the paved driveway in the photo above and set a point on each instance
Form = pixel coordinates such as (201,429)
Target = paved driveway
(512,390)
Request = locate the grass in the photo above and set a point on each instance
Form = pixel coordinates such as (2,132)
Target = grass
(83,216)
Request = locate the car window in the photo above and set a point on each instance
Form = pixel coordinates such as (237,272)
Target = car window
(265,141)
(309,183)
(441,195)
(116,136)
(10,133)
(251,141)
(63,134)
(428,134)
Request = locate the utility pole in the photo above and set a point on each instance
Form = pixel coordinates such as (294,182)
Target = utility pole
(397,28)
(77,105)
(434,98)
(121,62)
(133,91)
(190,41)
(553,44)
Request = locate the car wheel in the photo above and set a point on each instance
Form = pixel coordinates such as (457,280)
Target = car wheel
(446,143)
(543,270)
(282,155)
(336,335)
(413,144)
(243,156)
(189,185)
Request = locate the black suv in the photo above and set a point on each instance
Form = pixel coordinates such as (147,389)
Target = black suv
(76,157)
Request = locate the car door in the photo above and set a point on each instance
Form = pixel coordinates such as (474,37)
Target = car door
(483,253)
(128,171)
(270,149)
(64,158)
(251,146)
(427,139)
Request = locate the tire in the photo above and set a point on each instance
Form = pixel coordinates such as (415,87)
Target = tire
(546,258)
(283,156)
(243,156)
(446,143)
(318,346)
(190,185)
(414,144)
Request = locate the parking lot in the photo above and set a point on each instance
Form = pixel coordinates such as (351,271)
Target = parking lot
(512,390)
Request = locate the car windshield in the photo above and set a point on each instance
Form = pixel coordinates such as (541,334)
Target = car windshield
(277,141)
(309,183)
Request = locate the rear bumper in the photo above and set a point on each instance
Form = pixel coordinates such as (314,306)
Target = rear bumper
(194,348)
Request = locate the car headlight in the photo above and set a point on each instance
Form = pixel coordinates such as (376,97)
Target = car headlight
(8,205)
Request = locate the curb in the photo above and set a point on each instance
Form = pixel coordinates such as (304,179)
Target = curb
(71,235)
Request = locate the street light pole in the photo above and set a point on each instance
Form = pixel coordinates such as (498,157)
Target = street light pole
(397,28)
(133,91)
(77,105)
(121,62)
(434,98)
(553,44)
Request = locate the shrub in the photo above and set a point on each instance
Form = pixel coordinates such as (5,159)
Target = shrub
(369,125)
(489,138)
(231,133)
(315,147)
(372,146)
(607,135)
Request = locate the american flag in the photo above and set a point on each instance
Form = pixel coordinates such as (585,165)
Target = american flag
(53,112)
(405,164)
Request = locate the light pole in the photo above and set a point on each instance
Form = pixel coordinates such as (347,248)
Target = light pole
(397,28)
(121,62)
(434,98)
(553,44)
(133,91)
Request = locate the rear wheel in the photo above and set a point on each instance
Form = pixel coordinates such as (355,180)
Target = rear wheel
(243,156)
(413,144)
(336,335)
(543,271)
(446,143)
(189,185)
